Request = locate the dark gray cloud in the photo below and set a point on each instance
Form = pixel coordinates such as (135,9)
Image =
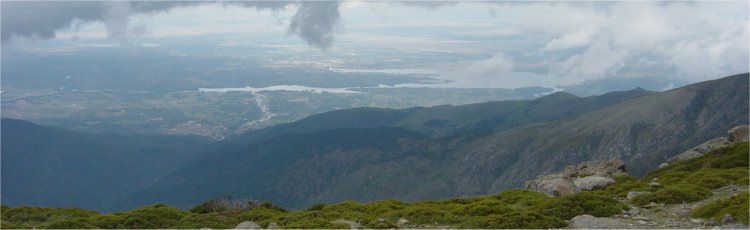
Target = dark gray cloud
(315,22)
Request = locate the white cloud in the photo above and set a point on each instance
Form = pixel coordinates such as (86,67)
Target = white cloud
(689,41)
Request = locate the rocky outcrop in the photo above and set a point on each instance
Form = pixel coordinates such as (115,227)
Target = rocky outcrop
(248,225)
(585,176)
(735,135)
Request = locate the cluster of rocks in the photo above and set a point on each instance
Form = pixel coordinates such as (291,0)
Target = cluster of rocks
(735,135)
(585,176)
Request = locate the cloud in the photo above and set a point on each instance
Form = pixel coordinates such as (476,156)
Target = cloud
(695,41)
(314,22)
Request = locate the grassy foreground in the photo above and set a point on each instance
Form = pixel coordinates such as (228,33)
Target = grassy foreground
(686,181)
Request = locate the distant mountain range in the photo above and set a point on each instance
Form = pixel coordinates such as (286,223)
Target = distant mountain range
(370,154)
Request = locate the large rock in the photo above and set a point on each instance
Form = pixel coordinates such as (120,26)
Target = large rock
(553,185)
(591,222)
(248,225)
(738,134)
(585,176)
(592,182)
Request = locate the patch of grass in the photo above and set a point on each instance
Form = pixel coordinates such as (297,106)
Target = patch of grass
(736,205)
(567,207)
(673,194)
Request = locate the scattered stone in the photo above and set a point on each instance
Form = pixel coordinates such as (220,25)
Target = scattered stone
(591,182)
(654,184)
(402,222)
(672,224)
(641,218)
(635,194)
(696,221)
(273,225)
(652,204)
(352,224)
(634,211)
(205,229)
(591,222)
(642,222)
(248,225)
(727,219)
(734,226)
(662,165)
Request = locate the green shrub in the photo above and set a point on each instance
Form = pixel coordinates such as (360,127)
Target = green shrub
(518,219)
(212,220)
(383,206)
(316,207)
(259,214)
(108,221)
(34,216)
(522,198)
(673,194)
(736,205)
(482,208)
(153,216)
(75,223)
(580,203)
(418,214)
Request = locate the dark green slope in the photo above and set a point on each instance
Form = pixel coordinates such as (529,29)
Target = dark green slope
(45,166)
(254,170)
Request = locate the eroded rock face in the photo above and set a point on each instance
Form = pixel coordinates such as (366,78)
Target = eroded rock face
(585,176)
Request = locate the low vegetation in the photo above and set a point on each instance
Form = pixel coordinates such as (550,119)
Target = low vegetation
(737,206)
(687,181)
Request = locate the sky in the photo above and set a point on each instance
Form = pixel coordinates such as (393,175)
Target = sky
(497,44)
